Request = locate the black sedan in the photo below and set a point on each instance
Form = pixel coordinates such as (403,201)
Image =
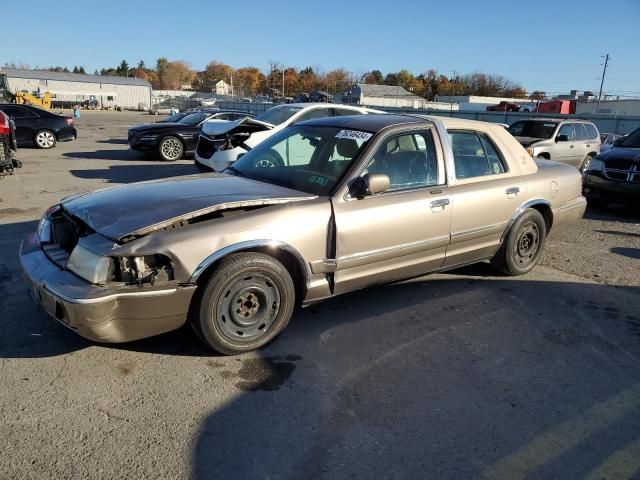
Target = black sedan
(614,175)
(35,126)
(173,140)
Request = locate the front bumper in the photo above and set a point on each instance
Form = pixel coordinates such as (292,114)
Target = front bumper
(101,314)
(143,144)
(596,185)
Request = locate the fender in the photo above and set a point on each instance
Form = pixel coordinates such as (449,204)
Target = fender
(246,245)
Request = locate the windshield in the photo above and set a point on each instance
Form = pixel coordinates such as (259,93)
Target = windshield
(278,115)
(309,159)
(194,118)
(173,118)
(632,140)
(533,129)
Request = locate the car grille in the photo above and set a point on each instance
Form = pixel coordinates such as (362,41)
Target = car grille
(132,136)
(207,147)
(622,170)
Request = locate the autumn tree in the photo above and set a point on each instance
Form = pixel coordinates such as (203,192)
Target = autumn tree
(249,80)
(176,74)
(538,95)
(307,80)
(337,80)
(374,77)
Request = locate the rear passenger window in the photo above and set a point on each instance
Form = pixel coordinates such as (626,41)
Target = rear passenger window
(339,112)
(580,131)
(475,155)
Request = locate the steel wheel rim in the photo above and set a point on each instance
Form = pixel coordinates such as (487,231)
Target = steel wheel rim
(248,307)
(45,139)
(527,244)
(171,148)
(265,163)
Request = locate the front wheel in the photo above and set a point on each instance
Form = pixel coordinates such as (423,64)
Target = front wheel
(247,302)
(521,250)
(45,139)
(170,149)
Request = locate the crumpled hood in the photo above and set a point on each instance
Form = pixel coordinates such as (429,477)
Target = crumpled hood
(216,127)
(141,208)
(528,141)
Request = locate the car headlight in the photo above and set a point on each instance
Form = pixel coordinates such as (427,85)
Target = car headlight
(91,266)
(530,151)
(143,270)
(595,165)
(44,226)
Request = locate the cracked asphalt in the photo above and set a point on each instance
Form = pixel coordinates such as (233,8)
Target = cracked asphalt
(459,375)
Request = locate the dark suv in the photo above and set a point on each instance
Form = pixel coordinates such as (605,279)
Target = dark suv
(35,126)
(614,175)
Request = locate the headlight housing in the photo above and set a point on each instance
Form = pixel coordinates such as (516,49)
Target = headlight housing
(44,226)
(530,151)
(595,165)
(91,266)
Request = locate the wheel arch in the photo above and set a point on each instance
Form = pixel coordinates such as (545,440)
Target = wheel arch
(541,205)
(281,251)
(50,130)
(544,155)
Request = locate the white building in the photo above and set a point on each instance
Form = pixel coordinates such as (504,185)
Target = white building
(222,88)
(476,103)
(386,96)
(616,108)
(70,88)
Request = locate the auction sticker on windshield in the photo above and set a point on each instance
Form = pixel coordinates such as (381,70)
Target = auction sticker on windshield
(354,135)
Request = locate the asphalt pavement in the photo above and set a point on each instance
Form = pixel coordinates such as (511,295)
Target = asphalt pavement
(463,375)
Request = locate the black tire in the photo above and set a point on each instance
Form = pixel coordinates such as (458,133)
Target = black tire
(521,249)
(170,149)
(44,139)
(270,159)
(246,303)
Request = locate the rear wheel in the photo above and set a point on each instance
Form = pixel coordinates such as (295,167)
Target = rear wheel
(44,139)
(270,159)
(521,250)
(170,149)
(247,302)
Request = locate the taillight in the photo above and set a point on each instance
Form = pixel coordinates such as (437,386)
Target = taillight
(5,128)
(69,120)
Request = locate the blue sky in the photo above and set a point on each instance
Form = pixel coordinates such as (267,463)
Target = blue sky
(548,45)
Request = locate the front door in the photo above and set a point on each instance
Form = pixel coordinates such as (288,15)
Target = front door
(565,151)
(402,232)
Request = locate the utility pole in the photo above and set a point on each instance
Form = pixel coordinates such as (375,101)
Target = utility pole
(604,72)
(283,81)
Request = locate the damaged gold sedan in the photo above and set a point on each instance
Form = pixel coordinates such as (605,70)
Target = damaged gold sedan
(322,208)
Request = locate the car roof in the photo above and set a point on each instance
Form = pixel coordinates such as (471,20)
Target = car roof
(555,120)
(370,123)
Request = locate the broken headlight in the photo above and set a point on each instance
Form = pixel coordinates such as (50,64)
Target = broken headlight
(142,270)
(91,266)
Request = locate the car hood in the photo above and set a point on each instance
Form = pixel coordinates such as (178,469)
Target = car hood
(130,211)
(528,141)
(215,127)
(622,153)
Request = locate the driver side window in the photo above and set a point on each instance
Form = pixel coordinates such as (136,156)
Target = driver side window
(408,159)
(315,113)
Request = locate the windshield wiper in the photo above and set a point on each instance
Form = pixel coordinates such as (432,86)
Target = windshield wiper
(233,169)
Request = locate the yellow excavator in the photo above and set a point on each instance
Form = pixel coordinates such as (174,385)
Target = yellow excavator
(24,97)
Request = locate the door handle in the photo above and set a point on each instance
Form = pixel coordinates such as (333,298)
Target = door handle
(443,202)
(570,146)
(588,145)
(512,191)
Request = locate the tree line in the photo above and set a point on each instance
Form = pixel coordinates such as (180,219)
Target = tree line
(250,81)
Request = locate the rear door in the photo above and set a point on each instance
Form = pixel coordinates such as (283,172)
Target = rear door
(485,197)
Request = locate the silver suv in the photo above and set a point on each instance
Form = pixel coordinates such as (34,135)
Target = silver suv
(571,141)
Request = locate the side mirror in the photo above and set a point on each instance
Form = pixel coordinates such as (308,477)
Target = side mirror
(562,138)
(618,142)
(370,184)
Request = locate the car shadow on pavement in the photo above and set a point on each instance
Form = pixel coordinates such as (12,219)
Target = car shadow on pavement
(137,173)
(114,141)
(627,252)
(617,213)
(437,378)
(115,154)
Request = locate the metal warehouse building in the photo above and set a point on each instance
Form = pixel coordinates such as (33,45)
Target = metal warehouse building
(70,88)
